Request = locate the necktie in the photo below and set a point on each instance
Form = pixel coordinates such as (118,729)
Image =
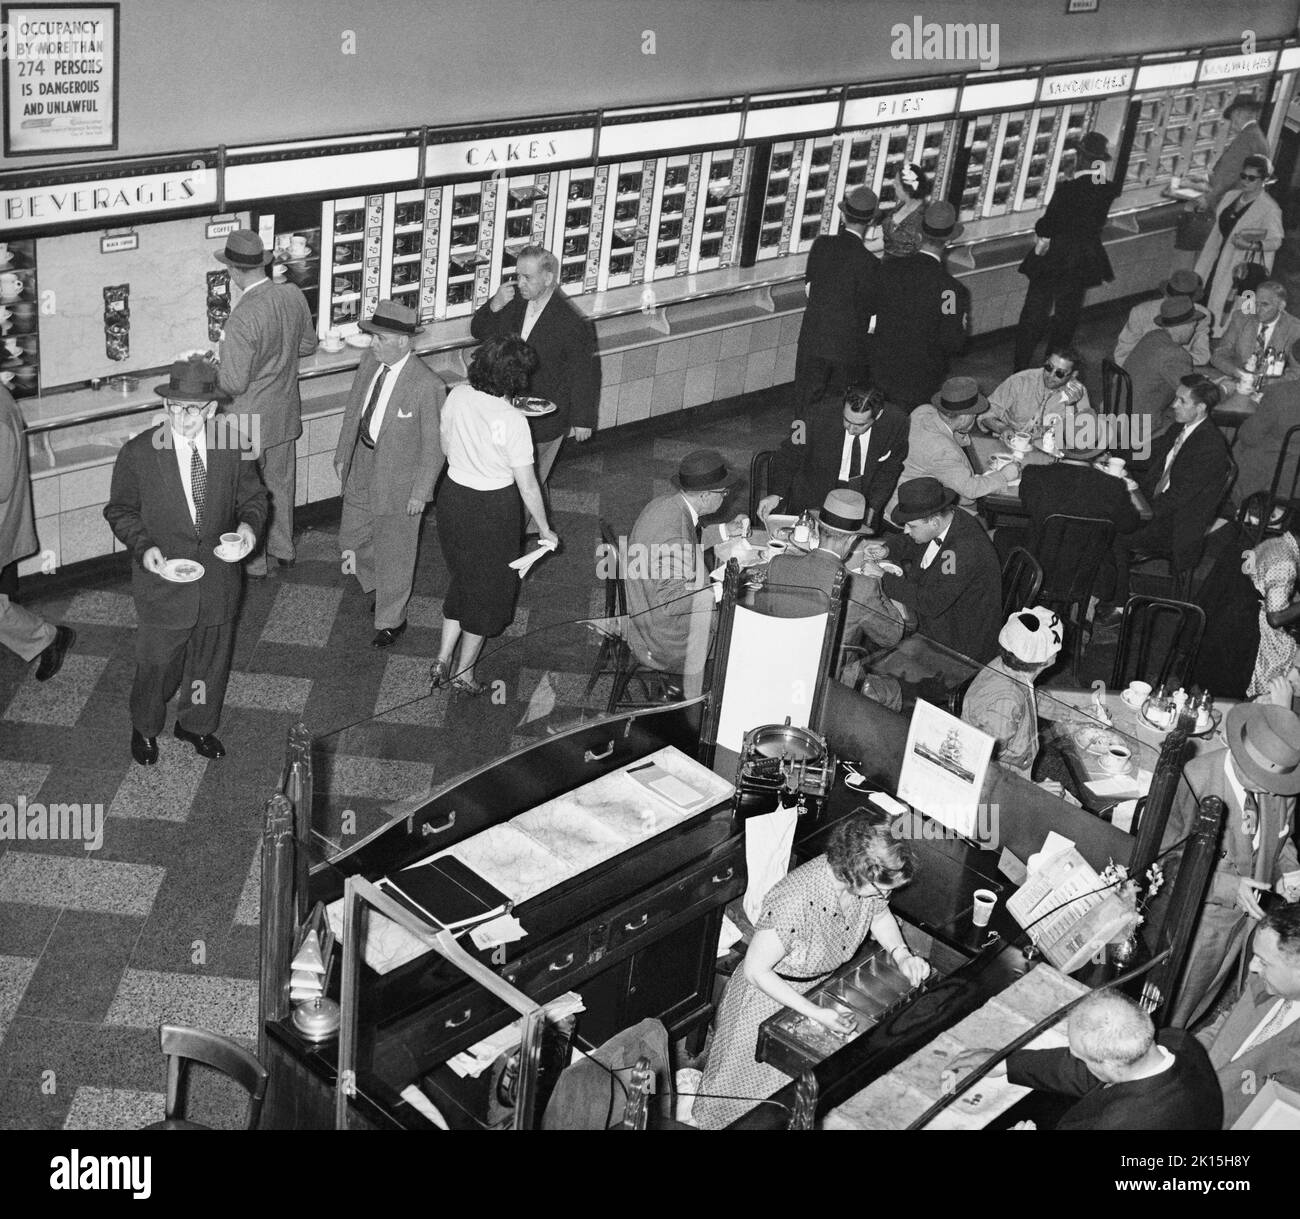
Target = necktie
(368,414)
(1273,1025)
(1163,484)
(198,486)
(1250,815)
(1260,345)
(855,456)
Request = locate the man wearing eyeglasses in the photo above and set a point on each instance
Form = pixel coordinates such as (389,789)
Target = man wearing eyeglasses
(1270,325)
(1031,400)
(1248,139)
(176,489)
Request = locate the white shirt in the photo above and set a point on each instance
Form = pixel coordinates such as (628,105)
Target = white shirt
(936,545)
(846,457)
(1176,447)
(1264,336)
(1292,1015)
(532,311)
(184,453)
(394,371)
(690,507)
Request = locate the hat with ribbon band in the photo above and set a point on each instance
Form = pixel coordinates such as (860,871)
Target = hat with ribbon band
(921,497)
(960,396)
(391,318)
(704,470)
(192,381)
(844,510)
(244,248)
(1265,745)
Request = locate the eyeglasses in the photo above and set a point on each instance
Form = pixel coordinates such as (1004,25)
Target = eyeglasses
(1060,373)
(188,409)
(1252,177)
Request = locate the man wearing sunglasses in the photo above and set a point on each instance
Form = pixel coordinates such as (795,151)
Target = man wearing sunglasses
(1030,400)
(1248,139)
(176,489)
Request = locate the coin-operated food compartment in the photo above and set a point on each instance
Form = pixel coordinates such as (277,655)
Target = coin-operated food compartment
(869,990)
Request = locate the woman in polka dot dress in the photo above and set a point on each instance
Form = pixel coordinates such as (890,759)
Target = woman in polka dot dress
(813,921)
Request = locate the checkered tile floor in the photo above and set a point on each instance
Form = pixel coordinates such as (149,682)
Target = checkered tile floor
(161,923)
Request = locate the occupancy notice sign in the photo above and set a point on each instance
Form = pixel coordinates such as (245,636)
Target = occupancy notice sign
(60,77)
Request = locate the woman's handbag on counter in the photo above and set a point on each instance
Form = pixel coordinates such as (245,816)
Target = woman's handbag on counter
(1193,230)
(1247,275)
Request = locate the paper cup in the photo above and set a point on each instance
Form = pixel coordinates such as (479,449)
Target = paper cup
(985,900)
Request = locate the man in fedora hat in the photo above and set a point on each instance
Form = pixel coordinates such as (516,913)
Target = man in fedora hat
(951,582)
(1252,334)
(838,281)
(1183,482)
(1142,318)
(937,443)
(1248,139)
(388,457)
(269,329)
(666,576)
(861,447)
(1257,777)
(568,372)
(21,631)
(922,314)
(1068,257)
(1159,362)
(173,495)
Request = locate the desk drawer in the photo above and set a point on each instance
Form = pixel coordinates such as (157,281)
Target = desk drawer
(714,884)
(557,960)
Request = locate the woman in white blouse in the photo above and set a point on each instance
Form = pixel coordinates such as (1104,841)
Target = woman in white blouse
(480,514)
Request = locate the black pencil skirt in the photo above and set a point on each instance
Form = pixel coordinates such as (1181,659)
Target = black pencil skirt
(481,533)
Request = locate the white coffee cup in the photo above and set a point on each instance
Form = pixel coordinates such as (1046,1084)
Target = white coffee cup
(11,286)
(297,246)
(1115,759)
(1019,444)
(1115,466)
(333,339)
(13,348)
(5,256)
(985,900)
(1138,691)
(232,545)
(6,379)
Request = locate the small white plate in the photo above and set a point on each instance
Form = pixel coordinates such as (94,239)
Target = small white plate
(182,571)
(243,552)
(534,408)
(892,568)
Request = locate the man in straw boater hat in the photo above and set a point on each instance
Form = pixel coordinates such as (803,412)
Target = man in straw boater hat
(1257,777)
(839,281)
(665,571)
(922,314)
(173,495)
(937,442)
(1142,318)
(268,330)
(951,582)
(388,457)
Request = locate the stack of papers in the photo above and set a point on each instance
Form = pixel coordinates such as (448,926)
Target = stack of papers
(524,562)
(474,1061)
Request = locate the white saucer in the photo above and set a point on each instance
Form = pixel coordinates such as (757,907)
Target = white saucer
(216,550)
(292,257)
(333,349)
(182,571)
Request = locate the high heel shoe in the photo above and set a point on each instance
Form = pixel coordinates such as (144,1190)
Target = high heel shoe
(438,675)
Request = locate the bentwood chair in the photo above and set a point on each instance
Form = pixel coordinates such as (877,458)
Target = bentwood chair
(760,473)
(1022,577)
(1267,514)
(184,1045)
(1116,389)
(1180,579)
(1071,551)
(1158,642)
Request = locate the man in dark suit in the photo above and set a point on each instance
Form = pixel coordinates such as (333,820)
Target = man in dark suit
(1252,334)
(1156,367)
(388,457)
(176,489)
(566,373)
(1258,778)
(1258,443)
(268,330)
(921,315)
(951,582)
(1182,483)
(1259,1038)
(865,453)
(1071,487)
(838,281)
(1069,257)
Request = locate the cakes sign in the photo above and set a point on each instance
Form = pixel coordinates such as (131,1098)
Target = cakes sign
(60,77)
(510,153)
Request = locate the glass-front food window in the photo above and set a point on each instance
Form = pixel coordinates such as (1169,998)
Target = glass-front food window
(526,199)
(463,256)
(782,186)
(1078,119)
(407,249)
(1011,150)
(677,197)
(717,222)
(628,181)
(863,151)
(822,159)
(347,263)
(1041,149)
(576,231)
(980,133)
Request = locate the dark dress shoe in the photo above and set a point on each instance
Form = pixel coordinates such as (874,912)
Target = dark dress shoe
(206,745)
(51,660)
(144,749)
(387,636)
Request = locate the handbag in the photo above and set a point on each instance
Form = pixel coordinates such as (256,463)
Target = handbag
(1247,275)
(1193,230)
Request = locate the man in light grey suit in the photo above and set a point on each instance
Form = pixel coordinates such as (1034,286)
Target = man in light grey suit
(1259,1039)
(21,631)
(388,458)
(665,574)
(268,330)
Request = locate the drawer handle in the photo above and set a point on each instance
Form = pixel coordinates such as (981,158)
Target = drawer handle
(726,876)
(641,922)
(444,827)
(556,966)
(455,1024)
(589,756)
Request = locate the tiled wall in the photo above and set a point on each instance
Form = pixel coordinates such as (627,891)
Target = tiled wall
(637,383)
